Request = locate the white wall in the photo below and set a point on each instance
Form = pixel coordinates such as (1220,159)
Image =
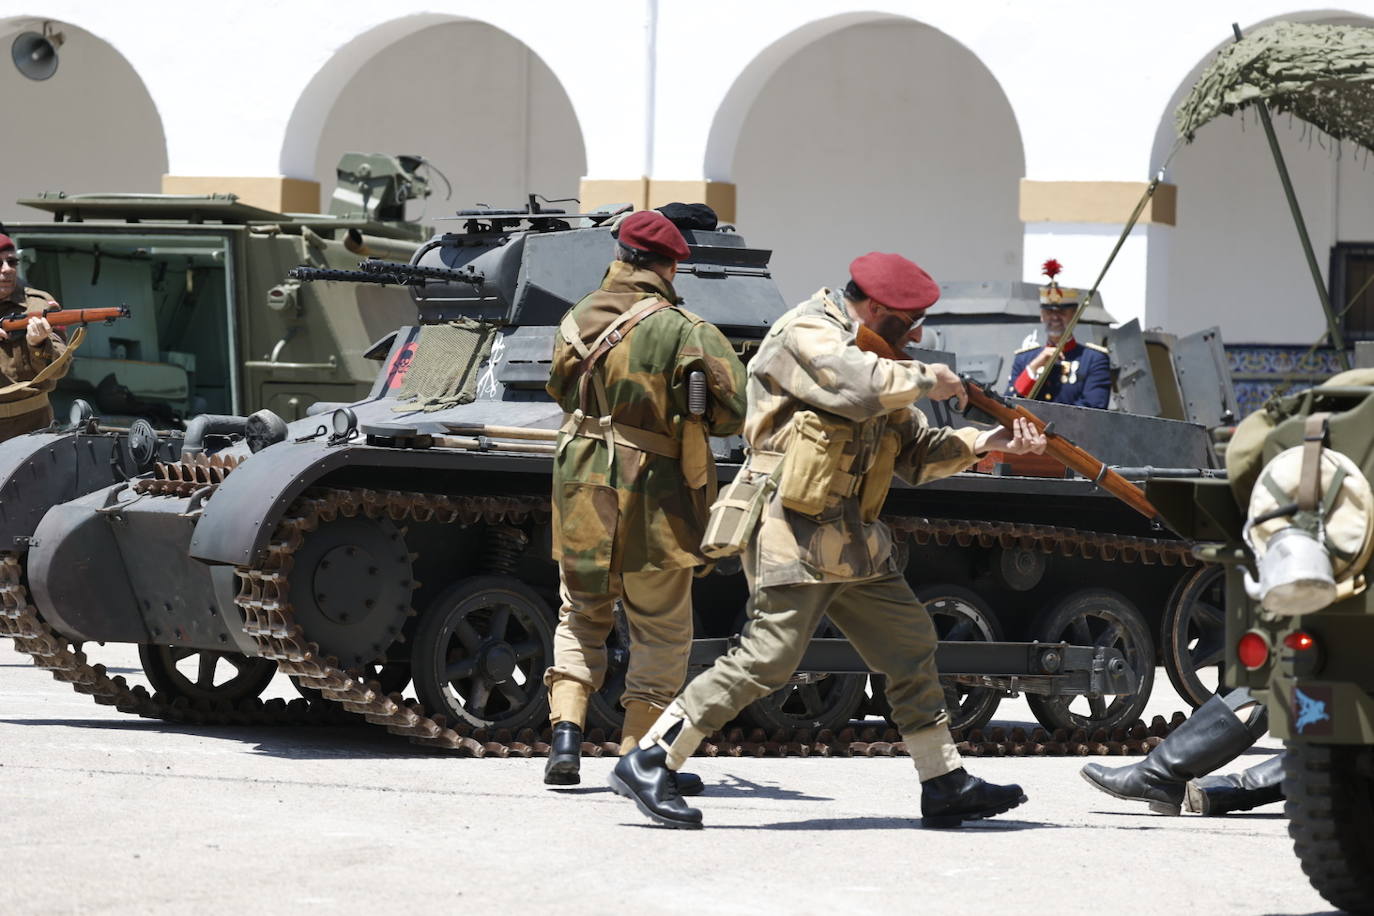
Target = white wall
(471,99)
(1235,258)
(89,127)
(887,136)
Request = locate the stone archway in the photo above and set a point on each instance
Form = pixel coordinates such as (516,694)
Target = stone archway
(863,132)
(91,126)
(472,99)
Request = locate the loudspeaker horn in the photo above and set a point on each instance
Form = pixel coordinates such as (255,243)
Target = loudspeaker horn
(35,53)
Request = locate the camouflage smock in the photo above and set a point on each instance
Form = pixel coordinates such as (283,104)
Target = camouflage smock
(635,513)
(20,362)
(809,361)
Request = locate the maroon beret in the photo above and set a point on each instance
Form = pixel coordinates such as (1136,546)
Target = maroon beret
(894,281)
(649,230)
(6,243)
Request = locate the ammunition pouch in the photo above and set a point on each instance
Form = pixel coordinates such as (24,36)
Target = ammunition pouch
(878,479)
(735,513)
(811,465)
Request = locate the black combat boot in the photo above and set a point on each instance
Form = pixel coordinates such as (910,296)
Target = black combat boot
(565,756)
(951,799)
(689,783)
(1212,737)
(643,776)
(1262,784)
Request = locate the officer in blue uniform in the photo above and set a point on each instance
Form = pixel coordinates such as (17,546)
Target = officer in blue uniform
(1082,377)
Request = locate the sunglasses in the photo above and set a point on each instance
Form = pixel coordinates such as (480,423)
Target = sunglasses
(10,262)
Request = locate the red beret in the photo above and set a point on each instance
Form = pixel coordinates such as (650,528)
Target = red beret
(6,243)
(894,281)
(649,230)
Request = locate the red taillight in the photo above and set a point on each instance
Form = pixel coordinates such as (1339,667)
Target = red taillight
(1253,650)
(1300,641)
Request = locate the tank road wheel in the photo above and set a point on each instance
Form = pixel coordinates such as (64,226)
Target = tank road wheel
(1104,618)
(809,701)
(960,615)
(1330,809)
(1195,635)
(351,588)
(205,675)
(480,654)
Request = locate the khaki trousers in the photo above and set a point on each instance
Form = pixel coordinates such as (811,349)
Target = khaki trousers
(882,619)
(25,423)
(658,608)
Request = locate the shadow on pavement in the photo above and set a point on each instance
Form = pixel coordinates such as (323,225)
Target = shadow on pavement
(291,742)
(739,787)
(881,823)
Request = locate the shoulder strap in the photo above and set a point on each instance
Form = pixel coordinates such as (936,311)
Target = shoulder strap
(614,334)
(1310,481)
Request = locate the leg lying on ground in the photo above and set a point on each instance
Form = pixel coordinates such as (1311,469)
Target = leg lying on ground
(1212,737)
(1261,784)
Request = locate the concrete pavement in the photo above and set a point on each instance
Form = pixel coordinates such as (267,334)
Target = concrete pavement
(106,813)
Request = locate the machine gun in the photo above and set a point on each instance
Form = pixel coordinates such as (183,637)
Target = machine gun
(60,317)
(373,270)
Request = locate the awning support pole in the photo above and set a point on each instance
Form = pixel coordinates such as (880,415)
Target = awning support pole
(1332,326)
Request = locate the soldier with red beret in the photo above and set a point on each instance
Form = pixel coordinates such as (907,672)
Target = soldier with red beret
(633,480)
(829,423)
(30,362)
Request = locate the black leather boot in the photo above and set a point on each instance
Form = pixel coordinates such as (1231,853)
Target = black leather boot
(1212,737)
(1262,784)
(565,756)
(689,783)
(643,776)
(951,799)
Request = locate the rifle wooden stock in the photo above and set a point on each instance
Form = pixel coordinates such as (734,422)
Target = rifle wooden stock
(60,318)
(1062,450)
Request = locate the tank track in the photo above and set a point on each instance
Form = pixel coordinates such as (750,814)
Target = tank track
(264,601)
(49,650)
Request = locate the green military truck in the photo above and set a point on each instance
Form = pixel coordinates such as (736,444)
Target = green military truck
(1295,527)
(217,327)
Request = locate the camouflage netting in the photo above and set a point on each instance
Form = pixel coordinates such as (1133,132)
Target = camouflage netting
(1323,74)
(444,371)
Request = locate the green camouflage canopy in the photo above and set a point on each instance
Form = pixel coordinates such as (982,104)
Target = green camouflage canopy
(1324,74)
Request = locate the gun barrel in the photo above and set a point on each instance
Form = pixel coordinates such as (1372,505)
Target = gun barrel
(422,271)
(347,276)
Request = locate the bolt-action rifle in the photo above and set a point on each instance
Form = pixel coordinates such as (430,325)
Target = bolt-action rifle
(992,407)
(60,317)
(988,406)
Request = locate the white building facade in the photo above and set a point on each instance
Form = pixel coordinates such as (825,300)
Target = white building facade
(977,138)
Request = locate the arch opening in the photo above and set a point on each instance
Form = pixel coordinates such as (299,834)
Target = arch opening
(1233,259)
(91,126)
(866,132)
(473,100)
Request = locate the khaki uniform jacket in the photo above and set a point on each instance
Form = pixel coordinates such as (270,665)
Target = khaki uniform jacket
(636,513)
(809,361)
(20,362)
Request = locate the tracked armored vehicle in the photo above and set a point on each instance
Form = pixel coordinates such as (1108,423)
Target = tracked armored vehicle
(404,536)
